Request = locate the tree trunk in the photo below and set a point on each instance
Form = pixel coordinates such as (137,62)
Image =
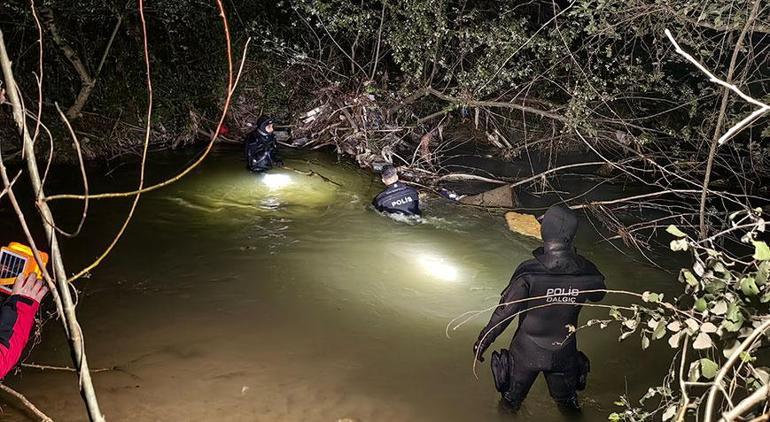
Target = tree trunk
(69,319)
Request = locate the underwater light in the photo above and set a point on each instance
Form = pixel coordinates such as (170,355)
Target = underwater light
(276,181)
(438,267)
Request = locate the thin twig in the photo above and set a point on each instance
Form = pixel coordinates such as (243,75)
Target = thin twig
(734,357)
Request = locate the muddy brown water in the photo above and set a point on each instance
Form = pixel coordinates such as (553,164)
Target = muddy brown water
(283,297)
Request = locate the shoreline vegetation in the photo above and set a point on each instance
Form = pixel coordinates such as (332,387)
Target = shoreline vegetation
(668,97)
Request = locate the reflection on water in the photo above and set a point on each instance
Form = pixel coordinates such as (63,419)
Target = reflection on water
(284,296)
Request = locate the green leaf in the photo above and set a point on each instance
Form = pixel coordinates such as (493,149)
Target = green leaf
(763,273)
(728,350)
(615,314)
(765,297)
(733,327)
(749,286)
(674,231)
(761,251)
(678,245)
(708,368)
(651,297)
(733,319)
(645,342)
(700,305)
(673,341)
(703,341)
(689,278)
(720,308)
(720,268)
(660,330)
(716,286)
(669,413)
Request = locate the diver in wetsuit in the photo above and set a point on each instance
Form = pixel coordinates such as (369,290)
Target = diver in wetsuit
(542,342)
(260,147)
(397,198)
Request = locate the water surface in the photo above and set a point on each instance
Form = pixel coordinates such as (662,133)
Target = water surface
(244,297)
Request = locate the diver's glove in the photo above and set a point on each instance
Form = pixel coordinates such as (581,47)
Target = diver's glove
(479,349)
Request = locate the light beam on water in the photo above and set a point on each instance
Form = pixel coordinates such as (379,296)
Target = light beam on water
(438,267)
(275,181)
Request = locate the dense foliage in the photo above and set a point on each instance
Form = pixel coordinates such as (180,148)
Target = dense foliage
(596,75)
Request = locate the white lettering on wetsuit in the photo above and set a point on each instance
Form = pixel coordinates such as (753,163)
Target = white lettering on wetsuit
(402,201)
(561,295)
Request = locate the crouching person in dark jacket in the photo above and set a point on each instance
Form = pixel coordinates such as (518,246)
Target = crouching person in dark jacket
(260,147)
(397,198)
(561,280)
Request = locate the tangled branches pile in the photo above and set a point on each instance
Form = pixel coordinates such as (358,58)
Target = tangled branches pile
(583,75)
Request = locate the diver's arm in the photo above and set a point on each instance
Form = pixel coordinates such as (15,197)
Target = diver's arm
(246,149)
(275,158)
(379,201)
(599,285)
(517,290)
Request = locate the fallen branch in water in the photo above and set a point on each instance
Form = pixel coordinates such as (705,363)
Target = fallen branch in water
(63,368)
(311,173)
(463,176)
(17,400)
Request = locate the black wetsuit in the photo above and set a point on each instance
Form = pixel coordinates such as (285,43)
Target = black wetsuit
(542,342)
(261,151)
(398,198)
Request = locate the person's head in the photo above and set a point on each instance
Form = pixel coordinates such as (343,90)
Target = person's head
(558,227)
(265,125)
(389,175)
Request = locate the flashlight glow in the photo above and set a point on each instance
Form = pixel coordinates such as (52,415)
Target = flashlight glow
(275,181)
(438,267)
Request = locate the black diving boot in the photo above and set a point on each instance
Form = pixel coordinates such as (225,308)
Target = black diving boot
(569,407)
(511,403)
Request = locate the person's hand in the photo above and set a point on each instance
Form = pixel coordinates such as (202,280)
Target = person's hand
(31,287)
(478,351)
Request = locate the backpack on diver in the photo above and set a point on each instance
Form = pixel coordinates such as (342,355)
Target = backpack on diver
(584,367)
(501,369)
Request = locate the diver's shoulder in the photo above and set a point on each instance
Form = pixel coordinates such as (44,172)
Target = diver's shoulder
(588,267)
(529,266)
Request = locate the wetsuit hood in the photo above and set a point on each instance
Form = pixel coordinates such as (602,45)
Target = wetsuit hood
(262,125)
(558,229)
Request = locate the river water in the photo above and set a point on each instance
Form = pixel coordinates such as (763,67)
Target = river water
(285,297)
